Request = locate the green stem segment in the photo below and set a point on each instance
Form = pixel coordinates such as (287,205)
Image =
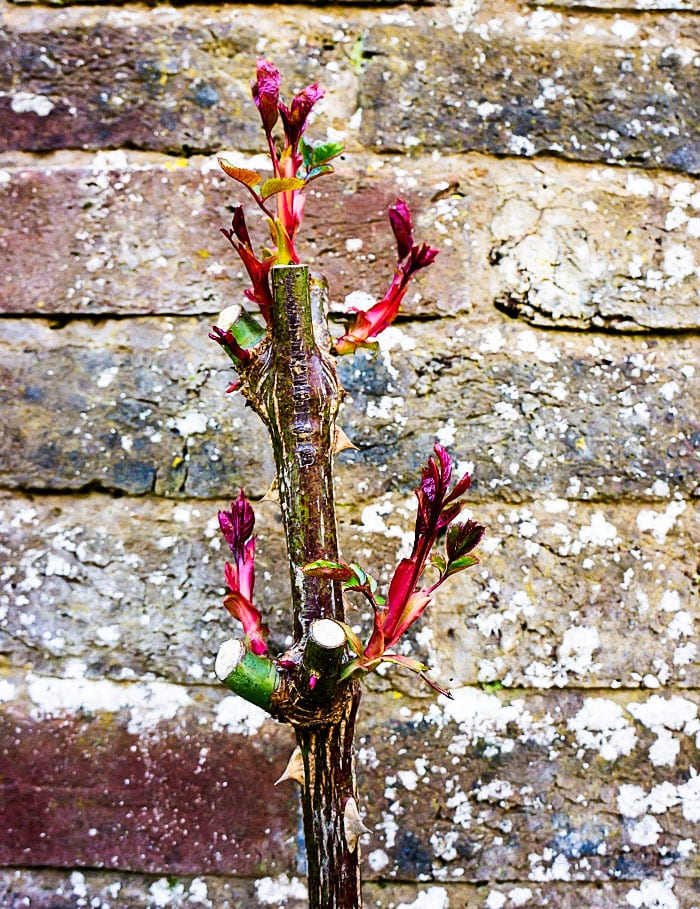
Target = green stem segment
(322,661)
(252,677)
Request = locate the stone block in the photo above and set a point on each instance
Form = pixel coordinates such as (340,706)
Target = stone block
(125,588)
(544,85)
(555,244)
(627,6)
(58,889)
(65,890)
(506,786)
(556,787)
(138,406)
(562,590)
(128,587)
(147,777)
(167,80)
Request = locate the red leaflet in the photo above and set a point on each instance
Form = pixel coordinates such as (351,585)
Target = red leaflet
(251,620)
(294,117)
(402,226)
(437,507)
(411,258)
(237,527)
(229,343)
(238,236)
(265,92)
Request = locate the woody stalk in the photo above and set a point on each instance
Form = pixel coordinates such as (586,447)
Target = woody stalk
(284,356)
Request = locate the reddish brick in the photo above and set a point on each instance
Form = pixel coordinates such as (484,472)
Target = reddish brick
(87,792)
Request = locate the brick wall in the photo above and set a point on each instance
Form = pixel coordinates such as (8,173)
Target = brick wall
(551,150)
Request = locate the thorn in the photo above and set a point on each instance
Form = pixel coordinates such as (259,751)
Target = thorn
(294,769)
(341,441)
(273,493)
(352,824)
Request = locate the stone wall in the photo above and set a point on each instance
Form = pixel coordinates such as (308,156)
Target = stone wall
(551,151)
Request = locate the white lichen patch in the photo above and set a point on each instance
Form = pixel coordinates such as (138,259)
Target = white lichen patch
(483,717)
(31,103)
(575,653)
(277,890)
(600,725)
(165,892)
(645,832)
(549,866)
(192,423)
(653,894)
(378,860)
(148,703)
(8,691)
(660,524)
(432,898)
(239,716)
(668,719)
(599,532)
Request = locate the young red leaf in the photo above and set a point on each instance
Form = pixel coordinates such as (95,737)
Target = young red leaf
(242,609)
(462,538)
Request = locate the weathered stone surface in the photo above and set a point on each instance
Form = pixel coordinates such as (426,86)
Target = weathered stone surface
(122,422)
(551,87)
(127,587)
(139,234)
(507,396)
(69,890)
(675,892)
(488,787)
(561,591)
(559,787)
(168,80)
(45,889)
(608,250)
(147,777)
(138,406)
(554,243)
(548,86)
(623,5)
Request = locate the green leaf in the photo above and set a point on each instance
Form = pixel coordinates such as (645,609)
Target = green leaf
(249,178)
(349,669)
(357,56)
(491,687)
(324,568)
(405,661)
(323,153)
(318,172)
(280,185)
(307,152)
(460,564)
(438,562)
(360,577)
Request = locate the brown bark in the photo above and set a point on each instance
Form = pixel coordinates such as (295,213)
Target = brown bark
(292,383)
(333,867)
